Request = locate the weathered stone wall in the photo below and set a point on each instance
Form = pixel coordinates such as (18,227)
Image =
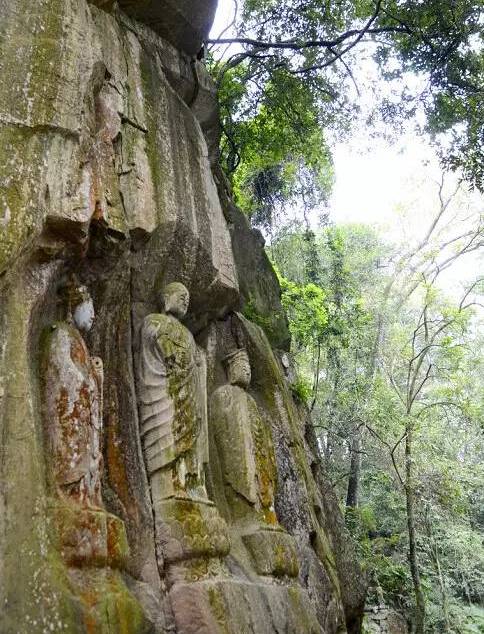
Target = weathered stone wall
(383,620)
(108,137)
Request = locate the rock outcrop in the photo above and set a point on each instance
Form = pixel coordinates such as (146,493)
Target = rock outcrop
(109,187)
(383,620)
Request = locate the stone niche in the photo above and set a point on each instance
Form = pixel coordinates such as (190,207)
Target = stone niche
(111,190)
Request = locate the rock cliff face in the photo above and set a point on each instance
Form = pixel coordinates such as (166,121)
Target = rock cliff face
(109,191)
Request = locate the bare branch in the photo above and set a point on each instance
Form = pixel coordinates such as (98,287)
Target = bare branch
(420,387)
(467,293)
(295,45)
(438,404)
(391,450)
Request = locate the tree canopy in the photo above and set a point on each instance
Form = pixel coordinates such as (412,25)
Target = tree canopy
(390,367)
(389,363)
(290,76)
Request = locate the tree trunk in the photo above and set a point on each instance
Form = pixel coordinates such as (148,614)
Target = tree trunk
(434,552)
(327,450)
(412,554)
(445,601)
(352,494)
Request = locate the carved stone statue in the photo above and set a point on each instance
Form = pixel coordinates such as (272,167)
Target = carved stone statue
(72,384)
(247,460)
(172,401)
(73,397)
(171,386)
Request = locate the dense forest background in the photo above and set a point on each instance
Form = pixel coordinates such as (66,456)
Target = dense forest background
(388,341)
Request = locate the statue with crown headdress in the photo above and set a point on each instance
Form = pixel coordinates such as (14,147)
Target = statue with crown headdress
(247,459)
(172,404)
(72,388)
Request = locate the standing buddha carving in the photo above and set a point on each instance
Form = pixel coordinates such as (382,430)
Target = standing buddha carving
(246,455)
(171,390)
(72,386)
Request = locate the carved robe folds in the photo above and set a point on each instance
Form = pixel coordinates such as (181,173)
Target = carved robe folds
(173,425)
(247,460)
(72,399)
(172,404)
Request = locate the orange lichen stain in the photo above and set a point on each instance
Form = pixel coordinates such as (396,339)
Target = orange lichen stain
(91,624)
(90,599)
(270,517)
(265,487)
(98,211)
(109,607)
(62,403)
(82,536)
(78,352)
(113,544)
(117,544)
(116,466)
(69,450)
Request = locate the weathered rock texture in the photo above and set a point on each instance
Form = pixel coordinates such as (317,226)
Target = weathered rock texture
(383,620)
(108,135)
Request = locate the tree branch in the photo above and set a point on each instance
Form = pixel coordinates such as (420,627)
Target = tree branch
(391,449)
(295,45)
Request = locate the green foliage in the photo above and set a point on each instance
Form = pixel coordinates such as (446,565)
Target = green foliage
(360,520)
(301,390)
(251,314)
(469,620)
(263,321)
(379,551)
(306,308)
(393,578)
(366,344)
(277,100)
(444,41)
(273,146)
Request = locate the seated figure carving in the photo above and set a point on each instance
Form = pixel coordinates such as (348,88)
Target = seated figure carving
(72,386)
(246,454)
(171,391)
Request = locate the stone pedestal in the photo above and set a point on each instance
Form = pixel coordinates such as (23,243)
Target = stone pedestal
(235,607)
(91,537)
(190,534)
(273,552)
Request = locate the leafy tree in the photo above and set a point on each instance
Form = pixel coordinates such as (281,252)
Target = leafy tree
(273,146)
(397,401)
(307,310)
(432,350)
(293,69)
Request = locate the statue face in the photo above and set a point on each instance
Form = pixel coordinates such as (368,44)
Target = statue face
(239,372)
(176,299)
(84,315)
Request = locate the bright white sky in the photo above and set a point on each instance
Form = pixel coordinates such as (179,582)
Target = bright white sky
(393,186)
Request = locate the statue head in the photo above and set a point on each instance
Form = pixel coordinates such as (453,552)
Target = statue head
(82,309)
(176,299)
(238,368)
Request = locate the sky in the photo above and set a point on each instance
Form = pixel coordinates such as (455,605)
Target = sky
(392,185)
